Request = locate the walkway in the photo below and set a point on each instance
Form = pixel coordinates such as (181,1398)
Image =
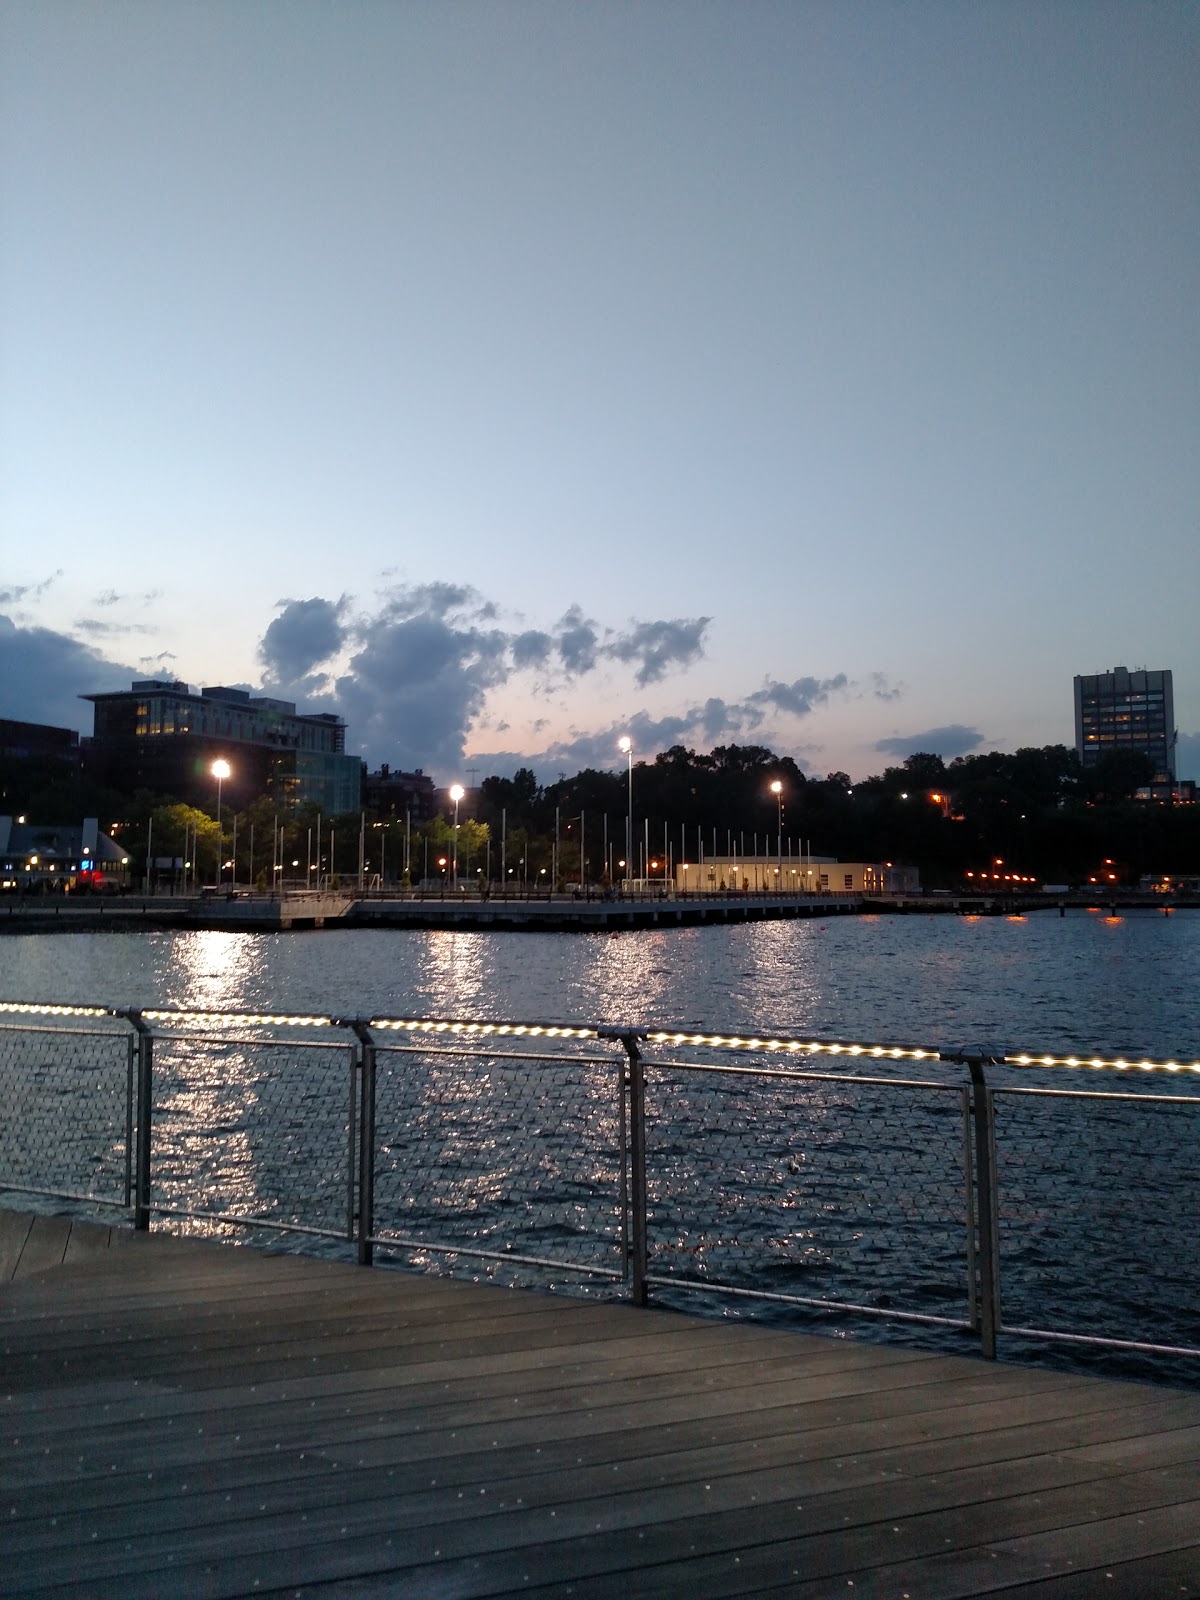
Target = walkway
(187,1419)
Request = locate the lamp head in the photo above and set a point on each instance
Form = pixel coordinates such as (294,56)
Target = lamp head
(221,769)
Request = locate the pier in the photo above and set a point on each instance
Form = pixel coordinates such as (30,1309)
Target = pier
(192,1419)
(251,912)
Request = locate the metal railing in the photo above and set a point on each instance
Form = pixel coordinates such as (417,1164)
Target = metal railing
(932,1187)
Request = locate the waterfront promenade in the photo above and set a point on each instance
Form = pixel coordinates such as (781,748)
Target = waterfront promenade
(192,1419)
(253,912)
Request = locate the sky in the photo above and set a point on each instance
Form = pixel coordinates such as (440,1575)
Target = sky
(509,377)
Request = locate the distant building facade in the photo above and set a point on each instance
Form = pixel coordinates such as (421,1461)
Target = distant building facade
(162,736)
(23,741)
(36,858)
(1123,710)
(798,874)
(400,794)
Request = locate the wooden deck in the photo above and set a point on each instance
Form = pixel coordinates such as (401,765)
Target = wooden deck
(184,1419)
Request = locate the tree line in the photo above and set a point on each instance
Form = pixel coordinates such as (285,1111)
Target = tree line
(1038,811)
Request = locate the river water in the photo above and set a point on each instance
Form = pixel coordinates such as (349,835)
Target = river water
(845,1191)
(1089,982)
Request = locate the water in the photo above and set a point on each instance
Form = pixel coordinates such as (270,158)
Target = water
(1085,982)
(849,1193)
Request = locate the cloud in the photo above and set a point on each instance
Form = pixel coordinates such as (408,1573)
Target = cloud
(953,740)
(883,689)
(412,677)
(31,591)
(531,649)
(305,635)
(99,629)
(43,674)
(658,646)
(701,725)
(798,699)
(416,683)
(577,642)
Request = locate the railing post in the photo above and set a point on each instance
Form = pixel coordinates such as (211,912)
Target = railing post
(131,1081)
(636,1081)
(987,1253)
(366,1145)
(145,1102)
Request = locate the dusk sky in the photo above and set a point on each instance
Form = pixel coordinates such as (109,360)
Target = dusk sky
(507,377)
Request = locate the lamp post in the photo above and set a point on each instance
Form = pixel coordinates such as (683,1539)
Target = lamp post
(220,771)
(456,794)
(625,743)
(777,791)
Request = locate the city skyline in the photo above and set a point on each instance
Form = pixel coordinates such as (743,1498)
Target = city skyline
(507,379)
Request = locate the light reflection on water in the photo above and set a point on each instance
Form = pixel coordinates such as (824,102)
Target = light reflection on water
(1113,985)
(216,971)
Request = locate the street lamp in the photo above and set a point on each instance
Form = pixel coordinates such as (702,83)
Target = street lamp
(625,743)
(220,771)
(456,795)
(777,791)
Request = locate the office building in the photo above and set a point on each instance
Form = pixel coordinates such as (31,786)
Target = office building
(1123,710)
(162,736)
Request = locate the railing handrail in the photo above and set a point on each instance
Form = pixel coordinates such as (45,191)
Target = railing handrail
(646,1033)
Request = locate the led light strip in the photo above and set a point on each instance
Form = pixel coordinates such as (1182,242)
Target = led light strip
(20,1009)
(810,1047)
(213,1018)
(1117,1064)
(516,1030)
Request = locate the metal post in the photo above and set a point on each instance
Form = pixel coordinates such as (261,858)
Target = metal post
(351,1136)
(130,1082)
(636,1082)
(145,1101)
(987,1253)
(366,1145)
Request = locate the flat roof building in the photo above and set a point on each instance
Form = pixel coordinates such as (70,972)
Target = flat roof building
(162,736)
(1123,710)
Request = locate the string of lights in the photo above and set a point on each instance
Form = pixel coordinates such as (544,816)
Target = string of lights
(481,1028)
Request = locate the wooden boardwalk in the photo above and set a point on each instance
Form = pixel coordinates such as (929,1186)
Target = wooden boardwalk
(186,1419)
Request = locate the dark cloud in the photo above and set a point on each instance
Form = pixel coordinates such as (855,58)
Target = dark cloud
(883,689)
(305,635)
(954,740)
(798,698)
(435,600)
(658,646)
(531,649)
(43,674)
(414,686)
(577,642)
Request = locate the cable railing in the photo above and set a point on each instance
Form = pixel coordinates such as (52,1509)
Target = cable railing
(985,1195)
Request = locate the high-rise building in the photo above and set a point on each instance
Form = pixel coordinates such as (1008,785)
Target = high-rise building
(160,735)
(1123,710)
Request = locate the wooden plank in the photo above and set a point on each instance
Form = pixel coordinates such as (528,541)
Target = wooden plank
(314,1424)
(14,1230)
(413,1501)
(45,1245)
(86,1239)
